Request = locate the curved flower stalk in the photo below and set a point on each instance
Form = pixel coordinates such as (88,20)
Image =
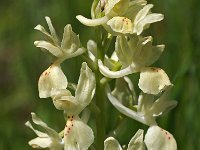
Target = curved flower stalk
(136,142)
(50,139)
(146,109)
(135,55)
(77,135)
(123,16)
(69,47)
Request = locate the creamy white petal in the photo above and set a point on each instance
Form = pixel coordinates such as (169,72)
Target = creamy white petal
(157,138)
(63,100)
(38,133)
(50,139)
(124,91)
(153,80)
(70,42)
(40,142)
(121,25)
(78,135)
(126,111)
(42,29)
(145,102)
(86,86)
(124,51)
(92,47)
(92,22)
(112,144)
(56,51)
(52,30)
(146,21)
(137,143)
(116,7)
(115,74)
(142,13)
(163,104)
(51,79)
(50,132)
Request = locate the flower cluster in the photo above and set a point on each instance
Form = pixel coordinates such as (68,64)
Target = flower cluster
(125,21)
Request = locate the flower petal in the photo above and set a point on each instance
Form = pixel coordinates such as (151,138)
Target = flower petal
(49,47)
(151,18)
(123,51)
(70,42)
(116,7)
(92,47)
(77,135)
(153,80)
(50,132)
(52,30)
(115,74)
(156,139)
(50,139)
(63,100)
(92,22)
(42,29)
(121,25)
(136,143)
(142,13)
(40,142)
(86,86)
(38,133)
(112,144)
(124,91)
(51,80)
(163,105)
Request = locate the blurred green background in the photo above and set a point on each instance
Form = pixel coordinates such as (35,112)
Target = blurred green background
(21,65)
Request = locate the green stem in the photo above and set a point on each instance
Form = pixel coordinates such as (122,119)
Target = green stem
(100,117)
(100,96)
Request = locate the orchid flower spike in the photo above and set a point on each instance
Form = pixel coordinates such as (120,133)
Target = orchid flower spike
(50,139)
(135,55)
(123,16)
(77,134)
(69,47)
(136,143)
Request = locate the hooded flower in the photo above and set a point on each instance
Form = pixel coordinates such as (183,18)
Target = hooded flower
(77,134)
(69,47)
(122,16)
(135,55)
(50,139)
(136,143)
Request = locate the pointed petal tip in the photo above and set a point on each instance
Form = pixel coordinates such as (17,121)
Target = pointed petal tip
(38,27)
